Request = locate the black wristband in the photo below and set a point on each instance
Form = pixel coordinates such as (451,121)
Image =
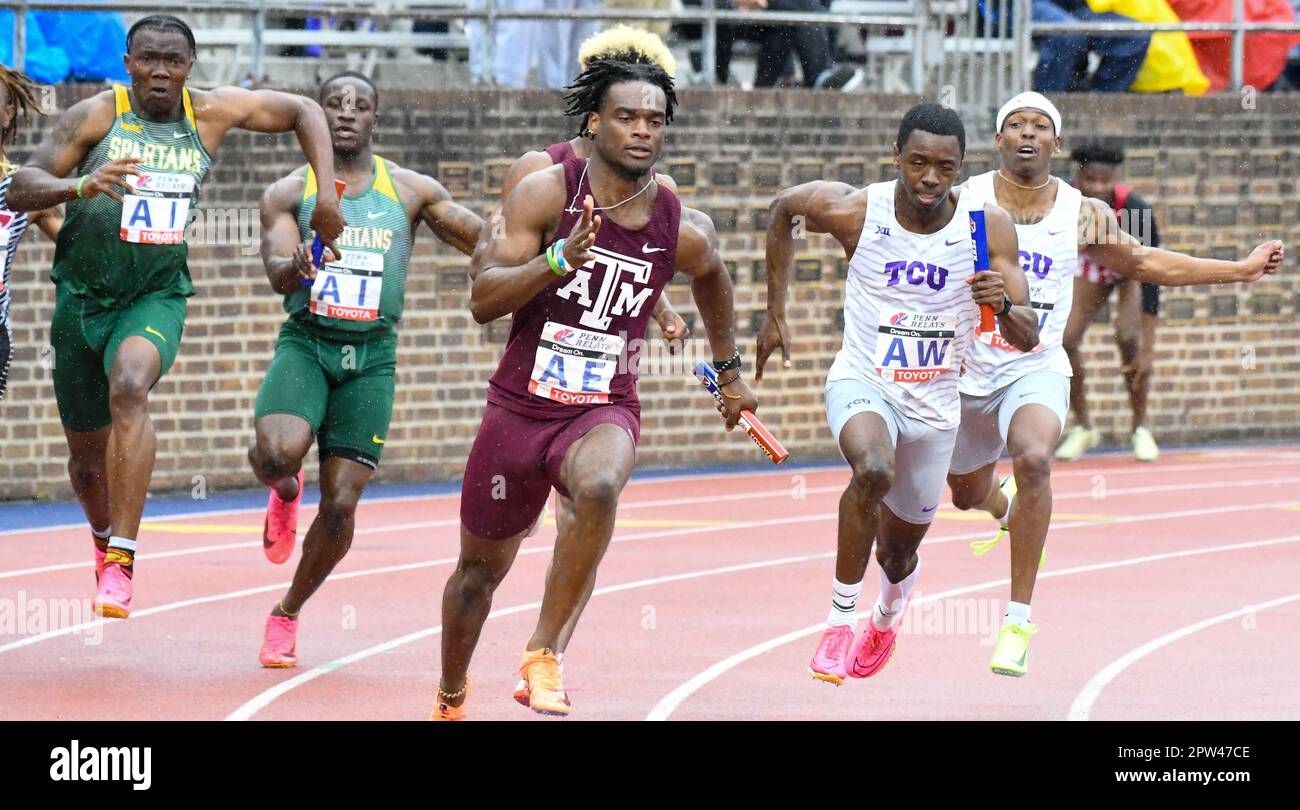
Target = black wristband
(727,365)
(1006,305)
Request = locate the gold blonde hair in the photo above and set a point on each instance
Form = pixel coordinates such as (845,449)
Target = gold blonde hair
(627,44)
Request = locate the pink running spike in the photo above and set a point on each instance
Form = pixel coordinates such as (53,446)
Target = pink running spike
(113,597)
(280,531)
(279,642)
(830,661)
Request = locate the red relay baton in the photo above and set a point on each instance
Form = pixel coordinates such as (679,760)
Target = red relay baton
(979,247)
(760,434)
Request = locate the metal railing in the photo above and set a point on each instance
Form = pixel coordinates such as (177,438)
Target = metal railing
(948,45)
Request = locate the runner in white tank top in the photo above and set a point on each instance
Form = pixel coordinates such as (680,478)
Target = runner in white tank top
(910,313)
(908,317)
(1019,400)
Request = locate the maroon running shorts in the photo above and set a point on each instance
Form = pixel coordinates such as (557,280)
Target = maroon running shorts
(516,460)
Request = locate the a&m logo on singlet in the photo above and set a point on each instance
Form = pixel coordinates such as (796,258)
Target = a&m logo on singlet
(575,366)
(912,347)
(617,294)
(1042,297)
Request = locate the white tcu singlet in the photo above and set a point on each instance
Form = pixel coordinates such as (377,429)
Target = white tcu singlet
(1049,255)
(909,318)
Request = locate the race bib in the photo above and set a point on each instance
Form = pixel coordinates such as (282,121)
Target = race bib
(349,289)
(912,348)
(156,208)
(574,366)
(6,217)
(1042,297)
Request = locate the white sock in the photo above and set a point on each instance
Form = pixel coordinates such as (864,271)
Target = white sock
(1017,613)
(893,597)
(844,604)
(124,543)
(102,535)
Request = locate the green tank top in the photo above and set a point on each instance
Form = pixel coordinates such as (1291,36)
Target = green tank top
(115,258)
(364,291)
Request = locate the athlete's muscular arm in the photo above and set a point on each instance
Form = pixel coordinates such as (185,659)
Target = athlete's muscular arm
(450,221)
(43,182)
(1004,276)
(509,267)
(816,207)
(697,257)
(226,108)
(1107,244)
(287,258)
(526,164)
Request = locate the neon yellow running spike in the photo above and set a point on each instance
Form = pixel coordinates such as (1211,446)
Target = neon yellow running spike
(982,547)
(1011,655)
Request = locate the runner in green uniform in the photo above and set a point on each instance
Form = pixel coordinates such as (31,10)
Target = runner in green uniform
(128,163)
(333,373)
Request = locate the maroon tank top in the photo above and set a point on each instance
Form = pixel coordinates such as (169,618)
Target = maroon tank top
(575,344)
(560,152)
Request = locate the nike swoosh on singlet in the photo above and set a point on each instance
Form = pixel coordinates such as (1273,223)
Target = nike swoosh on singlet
(1054,233)
(180,134)
(376,439)
(374,214)
(929,509)
(950,244)
(645,248)
(153,331)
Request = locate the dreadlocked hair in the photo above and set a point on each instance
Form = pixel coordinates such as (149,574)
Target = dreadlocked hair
(21,91)
(588,91)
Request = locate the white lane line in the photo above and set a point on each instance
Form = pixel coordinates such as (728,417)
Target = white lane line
(656,480)
(753,524)
(669,703)
(1258,482)
(265,698)
(1081,708)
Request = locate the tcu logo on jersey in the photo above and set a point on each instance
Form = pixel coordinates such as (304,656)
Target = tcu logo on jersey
(916,273)
(618,294)
(1036,263)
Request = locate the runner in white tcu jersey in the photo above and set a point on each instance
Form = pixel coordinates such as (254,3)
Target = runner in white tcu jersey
(1018,400)
(910,313)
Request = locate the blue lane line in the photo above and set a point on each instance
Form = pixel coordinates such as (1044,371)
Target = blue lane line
(33,514)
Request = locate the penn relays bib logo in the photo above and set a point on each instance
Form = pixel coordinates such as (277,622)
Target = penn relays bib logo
(912,347)
(622,287)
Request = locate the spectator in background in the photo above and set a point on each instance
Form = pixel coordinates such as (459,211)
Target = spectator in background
(657,27)
(560,40)
(514,45)
(810,43)
(1265,54)
(519,44)
(1170,63)
(1062,60)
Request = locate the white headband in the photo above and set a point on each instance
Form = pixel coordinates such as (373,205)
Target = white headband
(1030,101)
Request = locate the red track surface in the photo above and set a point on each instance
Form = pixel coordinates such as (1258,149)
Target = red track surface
(700,580)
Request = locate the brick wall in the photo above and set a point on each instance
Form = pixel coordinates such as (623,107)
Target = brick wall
(1221,177)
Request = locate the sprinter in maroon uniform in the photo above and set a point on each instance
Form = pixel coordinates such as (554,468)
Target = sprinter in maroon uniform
(587,248)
